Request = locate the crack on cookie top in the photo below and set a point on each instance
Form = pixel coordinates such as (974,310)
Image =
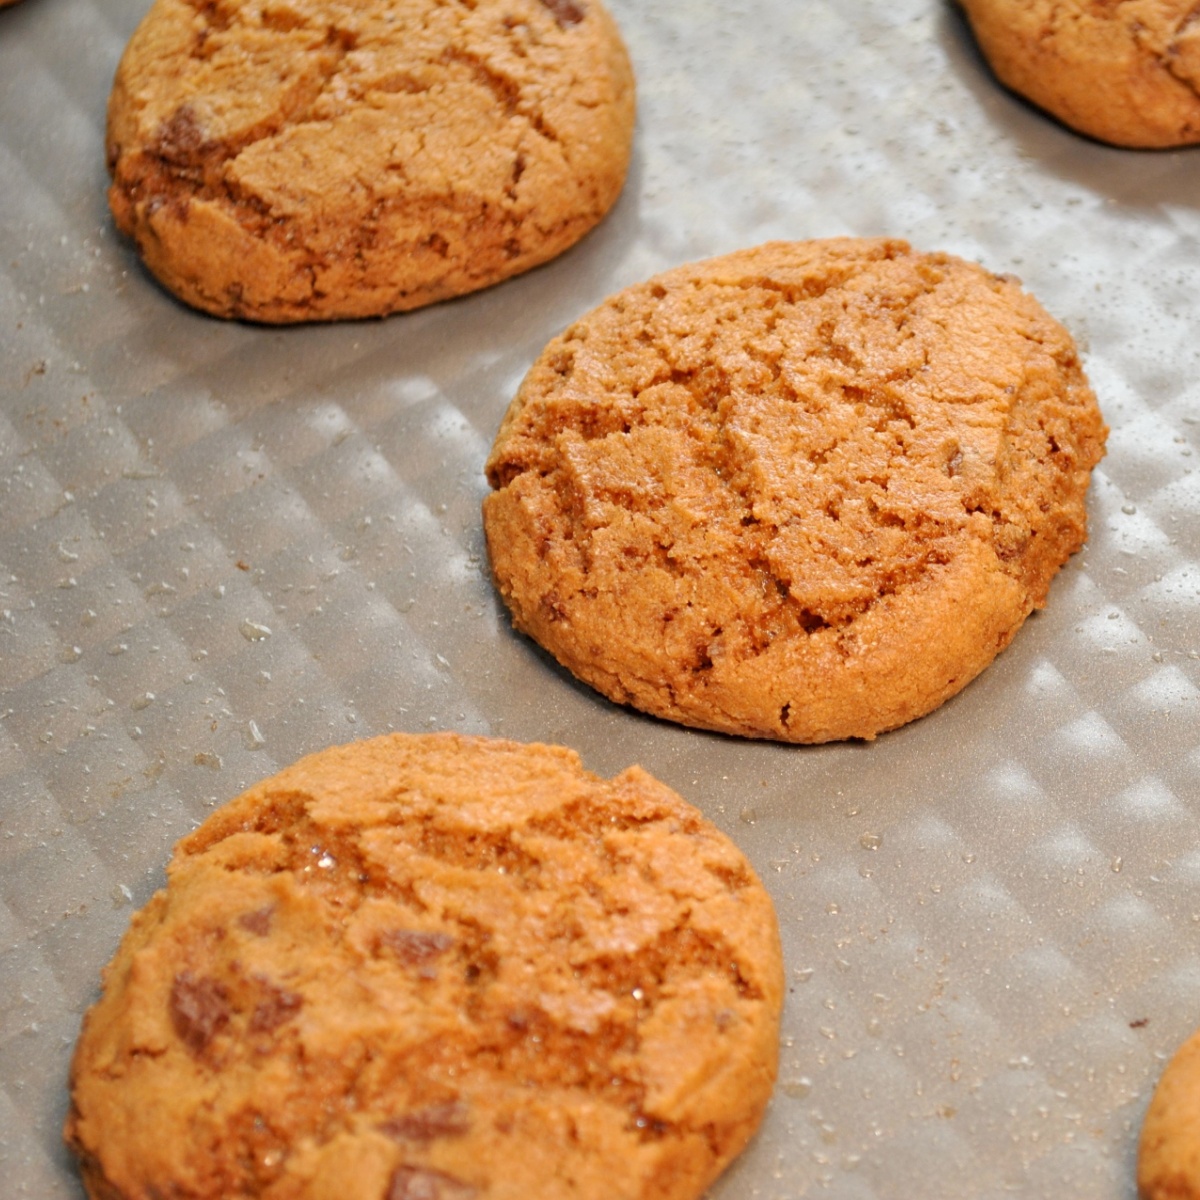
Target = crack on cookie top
(811,434)
(510,96)
(184,151)
(565,975)
(1181,54)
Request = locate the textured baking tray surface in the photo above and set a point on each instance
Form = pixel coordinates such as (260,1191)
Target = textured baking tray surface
(222,547)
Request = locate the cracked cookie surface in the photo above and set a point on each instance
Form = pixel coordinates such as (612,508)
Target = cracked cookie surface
(435,968)
(806,491)
(1169,1150)
(293,160)
(1123,71)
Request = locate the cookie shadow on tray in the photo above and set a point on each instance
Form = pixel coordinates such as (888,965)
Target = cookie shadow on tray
(475,346)
(1145,179)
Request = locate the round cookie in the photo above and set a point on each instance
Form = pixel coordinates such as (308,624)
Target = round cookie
(805,491)
(1126,73)
(435,968)
(309,160)
(1169,1152)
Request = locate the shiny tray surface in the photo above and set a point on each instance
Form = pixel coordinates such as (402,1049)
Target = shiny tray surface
(223,547)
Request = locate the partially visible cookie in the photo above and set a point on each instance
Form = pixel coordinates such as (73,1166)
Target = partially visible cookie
(1126,72)
(805,492)
(1169,1153)
(308,160)
(435,968)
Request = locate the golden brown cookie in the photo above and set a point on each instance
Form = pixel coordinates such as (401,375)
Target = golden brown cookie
(1124,71)
(435,968)
(806,491)
(1169,1154)
(308,160)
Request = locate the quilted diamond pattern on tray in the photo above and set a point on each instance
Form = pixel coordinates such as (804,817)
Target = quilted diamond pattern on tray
(222,547)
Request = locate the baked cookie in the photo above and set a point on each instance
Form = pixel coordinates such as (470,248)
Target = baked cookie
(1124,71)
(1169,1154)
(306,159)
(435,968)
(806,491)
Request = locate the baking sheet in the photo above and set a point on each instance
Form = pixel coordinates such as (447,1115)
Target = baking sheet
(222,547)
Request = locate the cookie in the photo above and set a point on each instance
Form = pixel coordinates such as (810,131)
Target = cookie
(1126,73)
(435,968)
(1169,1154)
(805,492)
(311,160)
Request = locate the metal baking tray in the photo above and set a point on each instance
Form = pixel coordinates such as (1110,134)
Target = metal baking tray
(223,546)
